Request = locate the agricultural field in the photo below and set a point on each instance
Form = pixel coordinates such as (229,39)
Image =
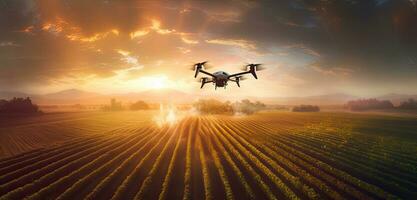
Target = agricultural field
(270,155)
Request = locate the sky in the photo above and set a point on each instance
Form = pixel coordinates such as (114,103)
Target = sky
(311,47)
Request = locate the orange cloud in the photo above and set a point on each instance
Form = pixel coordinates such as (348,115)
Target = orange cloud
(138,33)
(128,59)
(189,41)
(73,33)
(115,31)
(155,26)
(95,37)
(239,43)
(52,28)
(28,29)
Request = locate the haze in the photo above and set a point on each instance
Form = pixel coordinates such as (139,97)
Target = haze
(363,48)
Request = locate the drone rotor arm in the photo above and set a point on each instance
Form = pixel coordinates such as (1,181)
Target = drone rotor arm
(239,74)
(207,73)
(204,81)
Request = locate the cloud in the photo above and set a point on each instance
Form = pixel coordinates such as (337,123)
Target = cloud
(73,33)
(238,43)
(335,71)
(93,38)
(184,50)
(8,44)
(364,40)
(129,59)
(54,28)
(29,30)
(155,27)
(189,41)
(138,33)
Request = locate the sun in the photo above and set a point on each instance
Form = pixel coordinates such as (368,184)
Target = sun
(156,82)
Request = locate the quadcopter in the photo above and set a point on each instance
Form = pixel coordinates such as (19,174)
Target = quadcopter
(220,78)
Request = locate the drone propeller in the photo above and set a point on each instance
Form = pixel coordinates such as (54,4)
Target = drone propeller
(258,67)
(202,64)
(238,79)
(253,68)
(199,66)
(194,65)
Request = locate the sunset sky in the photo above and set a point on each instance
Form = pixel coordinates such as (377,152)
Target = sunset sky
(358,47)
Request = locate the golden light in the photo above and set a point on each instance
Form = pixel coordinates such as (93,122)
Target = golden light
(155,82)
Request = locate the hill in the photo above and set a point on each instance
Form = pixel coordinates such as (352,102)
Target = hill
(71,96)
(330,99)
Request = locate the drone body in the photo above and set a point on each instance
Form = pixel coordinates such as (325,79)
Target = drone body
(220,78)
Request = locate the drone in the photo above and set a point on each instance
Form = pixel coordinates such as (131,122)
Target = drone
(220,78)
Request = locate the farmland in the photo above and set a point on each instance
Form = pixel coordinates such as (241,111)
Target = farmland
(270,155)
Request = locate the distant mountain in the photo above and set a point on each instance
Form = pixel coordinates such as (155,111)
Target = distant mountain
(329,99)
(71,93)
(71,96)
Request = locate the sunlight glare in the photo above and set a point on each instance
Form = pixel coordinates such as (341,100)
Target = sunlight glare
(155,82)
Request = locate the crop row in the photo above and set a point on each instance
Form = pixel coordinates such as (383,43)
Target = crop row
(323,163)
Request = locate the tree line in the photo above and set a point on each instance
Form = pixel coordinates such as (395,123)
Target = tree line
(375,104)
(212,106)
(18,105)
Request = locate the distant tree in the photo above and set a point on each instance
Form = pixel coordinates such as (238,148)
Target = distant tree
(79,106)
(247,107)
(410,104)
(139,105)
(114,106)
(369,104)
(18,105)
(212,106)
(306,108)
